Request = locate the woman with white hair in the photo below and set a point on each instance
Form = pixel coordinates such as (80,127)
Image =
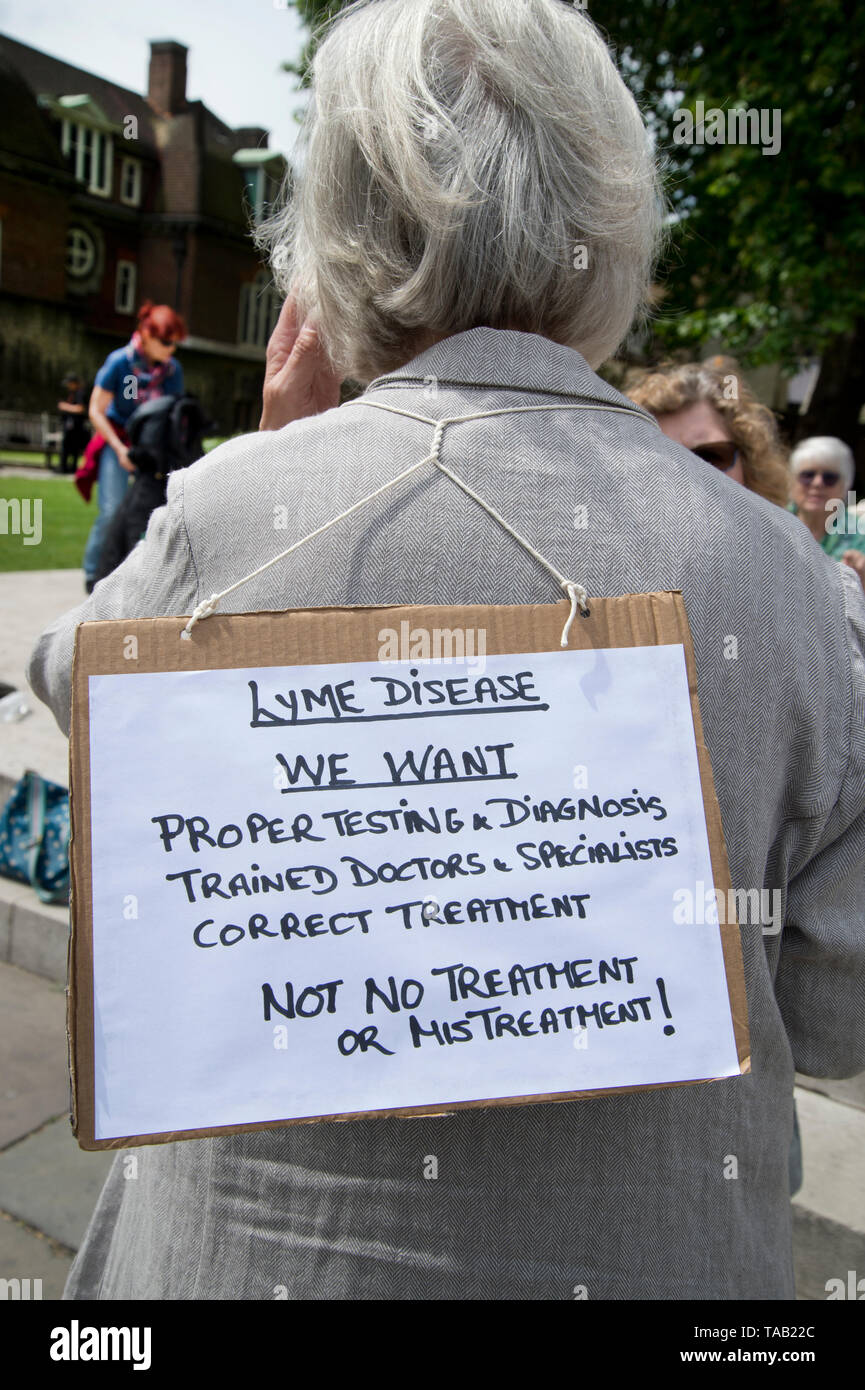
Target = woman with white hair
(823,474)
(472,233)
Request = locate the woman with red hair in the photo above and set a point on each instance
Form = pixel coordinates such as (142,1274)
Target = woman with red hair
(143,369)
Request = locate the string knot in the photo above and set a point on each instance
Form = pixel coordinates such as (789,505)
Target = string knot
(575,592)
(578,596)
(203,610)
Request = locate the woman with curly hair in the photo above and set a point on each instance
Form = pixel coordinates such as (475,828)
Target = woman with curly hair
(709,409)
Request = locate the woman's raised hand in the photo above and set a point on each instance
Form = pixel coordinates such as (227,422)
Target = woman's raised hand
(298,378)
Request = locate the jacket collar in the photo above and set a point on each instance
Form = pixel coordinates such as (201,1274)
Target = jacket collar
(503,359)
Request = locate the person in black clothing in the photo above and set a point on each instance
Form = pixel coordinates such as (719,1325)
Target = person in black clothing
(164,434)
(73,411)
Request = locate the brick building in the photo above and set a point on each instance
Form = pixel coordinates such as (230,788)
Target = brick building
(108,198)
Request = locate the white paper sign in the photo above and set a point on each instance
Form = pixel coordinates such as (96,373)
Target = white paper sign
(336,888)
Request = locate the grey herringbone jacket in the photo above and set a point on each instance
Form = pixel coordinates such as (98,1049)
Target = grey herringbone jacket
(628,1196)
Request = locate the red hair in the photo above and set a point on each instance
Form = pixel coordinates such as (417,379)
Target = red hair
(161,321)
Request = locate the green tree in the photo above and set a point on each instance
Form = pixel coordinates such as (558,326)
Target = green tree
(767,254)
(312,13)
(768,251)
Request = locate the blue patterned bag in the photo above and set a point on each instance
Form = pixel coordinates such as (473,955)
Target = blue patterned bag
(34,837)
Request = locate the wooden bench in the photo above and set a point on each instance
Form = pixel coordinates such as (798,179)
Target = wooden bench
(31,431)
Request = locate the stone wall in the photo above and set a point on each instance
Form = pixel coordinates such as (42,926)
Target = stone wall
(40,343)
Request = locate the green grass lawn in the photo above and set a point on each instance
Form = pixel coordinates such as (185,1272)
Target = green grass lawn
(36,459)
(25,456)
(65,520)
(65,523)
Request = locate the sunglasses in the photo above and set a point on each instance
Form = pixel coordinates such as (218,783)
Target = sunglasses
(722,455)
(807,475)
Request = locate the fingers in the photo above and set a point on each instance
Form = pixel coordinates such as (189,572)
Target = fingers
(283,338)
(307,361)
(286,324)
(308,340)
(287,327)
(299,378)
(291,338)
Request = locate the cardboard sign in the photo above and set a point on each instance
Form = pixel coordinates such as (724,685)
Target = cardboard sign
(353,862)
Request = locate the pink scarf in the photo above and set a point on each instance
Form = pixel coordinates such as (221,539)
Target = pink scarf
(156,373)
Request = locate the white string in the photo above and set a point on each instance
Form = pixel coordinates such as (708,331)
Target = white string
(210,605)
(577,594)
(505,410)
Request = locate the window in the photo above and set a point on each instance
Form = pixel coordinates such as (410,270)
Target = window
(262,171)
(261,186)
(260,304)
(125,286)
(80,253)
(254,183)
(130,182)
(92,153)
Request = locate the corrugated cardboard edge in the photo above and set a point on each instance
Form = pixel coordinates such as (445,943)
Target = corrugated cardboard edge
(79,1025)
(317,636)
(71,994)
(731,939)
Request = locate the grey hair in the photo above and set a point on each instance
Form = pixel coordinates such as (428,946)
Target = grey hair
(458,154)
(825,450)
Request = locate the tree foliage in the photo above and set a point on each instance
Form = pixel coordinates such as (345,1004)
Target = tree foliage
(767,251)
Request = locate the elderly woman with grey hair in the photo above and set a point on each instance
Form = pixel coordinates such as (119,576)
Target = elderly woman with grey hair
(472,233)
(823,475)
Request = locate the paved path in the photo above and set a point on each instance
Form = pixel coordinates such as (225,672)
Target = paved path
(25,470)
(29,601)
(48,1186)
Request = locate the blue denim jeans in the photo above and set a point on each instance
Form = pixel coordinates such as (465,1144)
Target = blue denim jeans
(112,484)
